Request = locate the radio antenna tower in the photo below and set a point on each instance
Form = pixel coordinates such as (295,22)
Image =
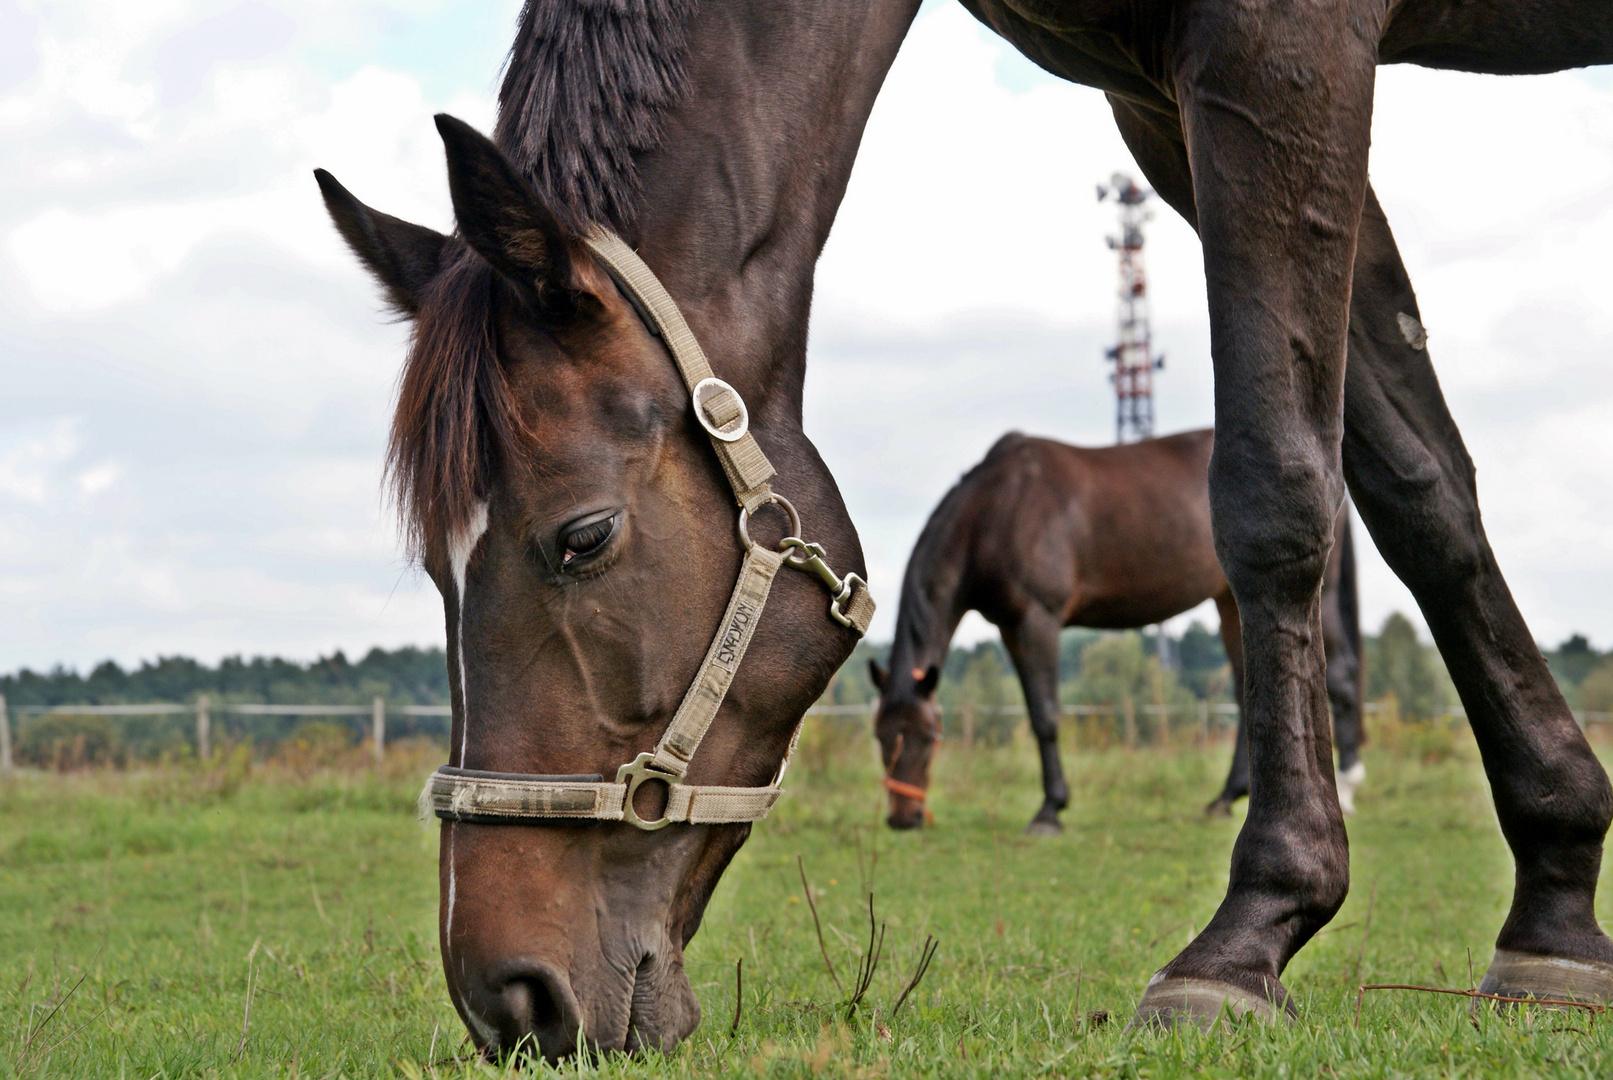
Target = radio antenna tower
(1133,356)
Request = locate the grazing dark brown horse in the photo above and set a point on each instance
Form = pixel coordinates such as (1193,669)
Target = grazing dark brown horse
(557,490)
(1042,535)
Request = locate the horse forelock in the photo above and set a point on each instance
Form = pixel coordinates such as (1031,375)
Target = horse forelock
(456,414)
(585,88)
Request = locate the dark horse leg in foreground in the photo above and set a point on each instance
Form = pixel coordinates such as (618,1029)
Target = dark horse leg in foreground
(1341,642)
(1380,423)
(1042,535)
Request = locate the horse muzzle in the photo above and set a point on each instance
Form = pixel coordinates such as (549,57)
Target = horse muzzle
(910,808)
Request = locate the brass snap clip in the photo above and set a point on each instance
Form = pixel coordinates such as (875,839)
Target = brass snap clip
(813,561)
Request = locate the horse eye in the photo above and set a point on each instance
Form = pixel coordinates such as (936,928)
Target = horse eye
(586,538)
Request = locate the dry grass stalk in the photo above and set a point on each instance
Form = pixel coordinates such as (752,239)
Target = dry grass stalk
(926,954)
(1372,900)
(1593,1009)
(869,962)
(812,906)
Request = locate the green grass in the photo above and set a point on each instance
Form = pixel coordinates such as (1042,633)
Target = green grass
(170,894)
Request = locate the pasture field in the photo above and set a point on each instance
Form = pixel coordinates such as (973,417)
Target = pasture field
(218,922)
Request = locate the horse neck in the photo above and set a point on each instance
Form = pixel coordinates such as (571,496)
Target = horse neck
(738,198)
(932,604)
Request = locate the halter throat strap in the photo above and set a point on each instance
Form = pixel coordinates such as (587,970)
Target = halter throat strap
(470,795)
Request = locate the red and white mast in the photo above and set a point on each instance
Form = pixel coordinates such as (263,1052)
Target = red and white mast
(1133,356)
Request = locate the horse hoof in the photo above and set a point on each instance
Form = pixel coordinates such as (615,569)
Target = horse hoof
(1219,808)
(1043,827)
(1348,781)
(1203,1003)
(1530,975)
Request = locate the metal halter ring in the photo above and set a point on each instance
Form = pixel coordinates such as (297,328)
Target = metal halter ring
(634,774)
(772,497)
(733,429)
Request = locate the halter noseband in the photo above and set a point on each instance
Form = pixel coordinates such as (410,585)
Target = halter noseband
(902,787)
(472,795)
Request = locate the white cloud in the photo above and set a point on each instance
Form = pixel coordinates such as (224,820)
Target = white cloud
(25,470)
(198,376)
(99,478)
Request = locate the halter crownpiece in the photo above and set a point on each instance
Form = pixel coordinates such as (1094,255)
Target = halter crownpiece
(471,795)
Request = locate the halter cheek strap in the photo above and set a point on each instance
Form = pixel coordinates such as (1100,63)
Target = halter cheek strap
(471,795)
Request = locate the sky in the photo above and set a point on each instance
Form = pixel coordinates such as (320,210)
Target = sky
(196,377)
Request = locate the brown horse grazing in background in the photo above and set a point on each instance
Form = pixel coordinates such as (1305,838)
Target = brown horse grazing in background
(557,489)
(1042,535)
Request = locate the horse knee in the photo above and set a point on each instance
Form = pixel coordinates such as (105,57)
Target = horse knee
(1274,558)
(1274,512)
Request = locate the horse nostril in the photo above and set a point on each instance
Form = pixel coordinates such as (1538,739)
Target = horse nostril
(540,1014)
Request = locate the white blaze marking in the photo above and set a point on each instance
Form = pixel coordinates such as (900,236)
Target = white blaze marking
(460,549)
(448,929)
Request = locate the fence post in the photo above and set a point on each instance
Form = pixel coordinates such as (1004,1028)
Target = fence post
(204,728)
(5,738)
(379,715)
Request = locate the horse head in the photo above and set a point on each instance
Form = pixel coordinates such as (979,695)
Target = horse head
(564,496)
(908,725)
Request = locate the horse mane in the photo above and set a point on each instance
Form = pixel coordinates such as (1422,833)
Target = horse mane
(455,411)
(916,617)
(585,88)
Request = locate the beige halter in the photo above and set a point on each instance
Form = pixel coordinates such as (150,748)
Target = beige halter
(470,795)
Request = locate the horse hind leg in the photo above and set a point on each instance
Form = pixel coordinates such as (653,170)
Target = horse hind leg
(1341,637)
(1033,645)
(1414,485)
(1237,784)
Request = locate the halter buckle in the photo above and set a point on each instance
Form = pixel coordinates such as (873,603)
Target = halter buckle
(720,410)
(634,774)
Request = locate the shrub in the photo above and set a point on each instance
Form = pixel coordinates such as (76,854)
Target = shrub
(1596,692)
(315,744)
(65,743)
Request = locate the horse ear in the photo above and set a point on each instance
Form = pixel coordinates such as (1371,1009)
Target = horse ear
(932,678)
(879,675)
(401,256)
(501,216)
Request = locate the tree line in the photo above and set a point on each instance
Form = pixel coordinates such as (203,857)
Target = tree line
(1094,669)
(406,676)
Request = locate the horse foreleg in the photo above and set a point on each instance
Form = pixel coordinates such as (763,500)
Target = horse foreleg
(1033,645)
(1276,104)
(1413,483)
